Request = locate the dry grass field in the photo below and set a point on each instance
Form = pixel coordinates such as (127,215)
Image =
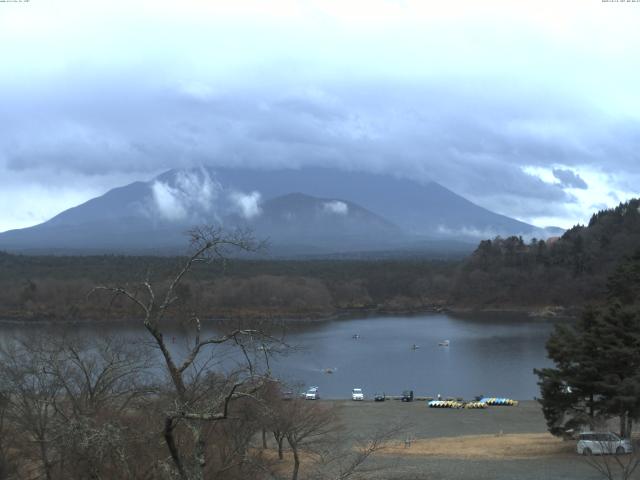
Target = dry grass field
(485,447)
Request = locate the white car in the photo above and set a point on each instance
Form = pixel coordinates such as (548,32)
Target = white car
(609,443)
(356,394)
(312,394)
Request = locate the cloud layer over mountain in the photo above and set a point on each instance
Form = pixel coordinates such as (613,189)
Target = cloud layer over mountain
(533,114)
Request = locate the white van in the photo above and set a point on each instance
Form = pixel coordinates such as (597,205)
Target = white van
(312,394)
(598,443)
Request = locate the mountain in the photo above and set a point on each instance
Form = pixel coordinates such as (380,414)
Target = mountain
(305,211)
(426,209)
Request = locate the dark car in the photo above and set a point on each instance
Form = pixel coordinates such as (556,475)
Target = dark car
(379,397)
(407,396)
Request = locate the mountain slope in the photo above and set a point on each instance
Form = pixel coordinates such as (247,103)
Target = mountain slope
(338,224)
(425,209)
(335,211)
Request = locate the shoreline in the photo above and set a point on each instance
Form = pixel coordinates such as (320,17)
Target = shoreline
(542,313)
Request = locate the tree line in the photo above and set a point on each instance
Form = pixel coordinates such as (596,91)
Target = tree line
(569,271)
(56,288)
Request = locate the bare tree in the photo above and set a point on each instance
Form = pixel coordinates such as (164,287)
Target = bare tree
(65,403)
(612,463)
(349,458)
(313,431)
(7,466)
(614,467)
(101,380)
(95,375)
(304,424)
(197,398)
(273,416)
(30,401)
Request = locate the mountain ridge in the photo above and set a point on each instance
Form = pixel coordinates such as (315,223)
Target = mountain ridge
(336,211)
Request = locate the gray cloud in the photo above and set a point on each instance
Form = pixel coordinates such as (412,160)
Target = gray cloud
(193,193)
(568,178)
(247,204)
(336,207)
(475,145)
(92,97)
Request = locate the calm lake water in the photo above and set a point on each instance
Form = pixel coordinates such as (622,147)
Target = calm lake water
(488,354)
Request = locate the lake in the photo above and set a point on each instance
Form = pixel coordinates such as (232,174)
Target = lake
(488,354)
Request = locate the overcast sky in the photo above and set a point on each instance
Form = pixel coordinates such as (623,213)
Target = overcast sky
(528,108)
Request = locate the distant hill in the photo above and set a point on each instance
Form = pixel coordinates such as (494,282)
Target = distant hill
(572,270)
(309,211)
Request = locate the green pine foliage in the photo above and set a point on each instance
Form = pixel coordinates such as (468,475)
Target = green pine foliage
(597,361)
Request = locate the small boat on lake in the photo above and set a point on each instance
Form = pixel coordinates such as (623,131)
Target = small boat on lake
(443,343)
(415,347)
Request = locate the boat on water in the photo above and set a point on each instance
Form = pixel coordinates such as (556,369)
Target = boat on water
(415,347)
(443,343)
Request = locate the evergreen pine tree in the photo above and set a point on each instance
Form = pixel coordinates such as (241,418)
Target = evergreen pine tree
(597,361)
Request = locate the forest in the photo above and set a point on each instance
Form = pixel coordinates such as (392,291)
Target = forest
(569,271)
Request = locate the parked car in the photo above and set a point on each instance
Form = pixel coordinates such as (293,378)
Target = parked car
(407,396)
(286,395)
(312,394)
(602,444)
(357,394)
(379,397)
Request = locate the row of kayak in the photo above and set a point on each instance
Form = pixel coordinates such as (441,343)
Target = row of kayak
(449,404)
(483,403)
(499,401)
